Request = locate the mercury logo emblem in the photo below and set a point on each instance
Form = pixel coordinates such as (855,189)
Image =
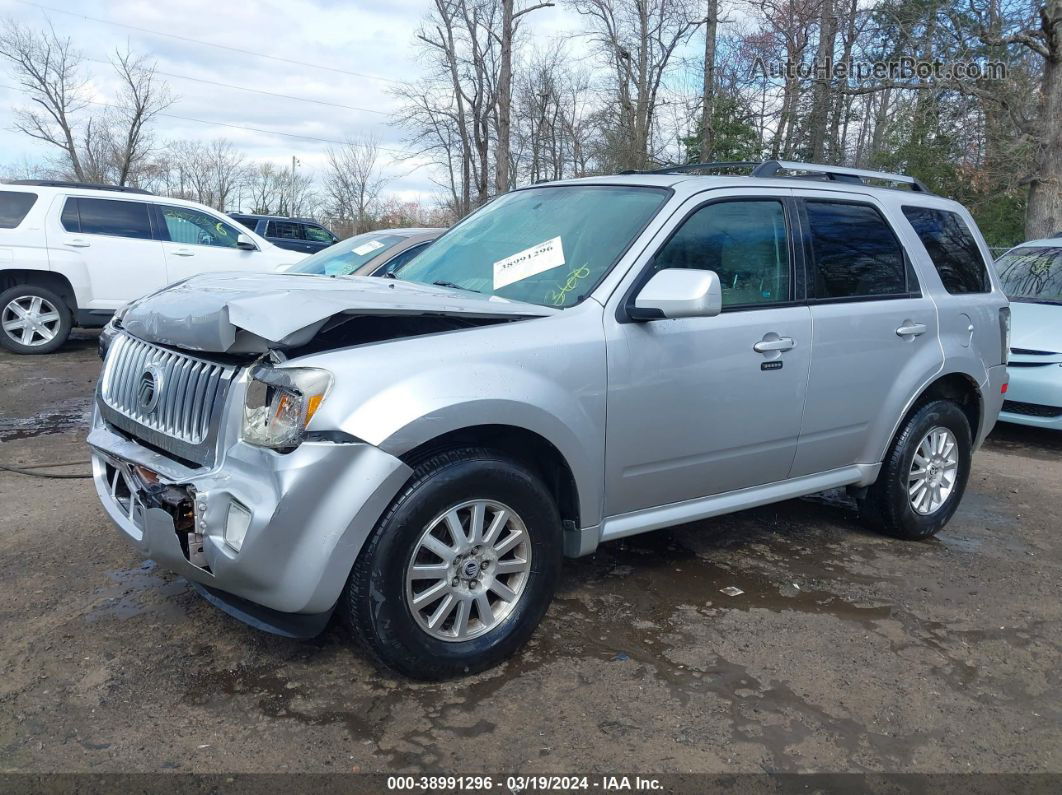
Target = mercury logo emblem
(149,389)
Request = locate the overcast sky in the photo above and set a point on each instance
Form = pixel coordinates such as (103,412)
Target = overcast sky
(373,38)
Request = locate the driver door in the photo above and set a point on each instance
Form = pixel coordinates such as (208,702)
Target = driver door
(699,405)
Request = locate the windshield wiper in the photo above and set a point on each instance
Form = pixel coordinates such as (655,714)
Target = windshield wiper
(441,283)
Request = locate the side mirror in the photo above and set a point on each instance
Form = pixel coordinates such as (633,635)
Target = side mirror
(244,241)
(678,292)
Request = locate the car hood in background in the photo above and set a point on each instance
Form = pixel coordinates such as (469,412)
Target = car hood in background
(1036,327)
(253,313)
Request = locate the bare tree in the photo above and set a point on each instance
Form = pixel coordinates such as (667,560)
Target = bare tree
(142,98)
(638,39)
(353,183)
(510,22)
(49,71)
(110,145)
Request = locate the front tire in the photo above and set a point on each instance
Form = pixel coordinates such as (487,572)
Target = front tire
(460,569)
(924,475)
(33,320)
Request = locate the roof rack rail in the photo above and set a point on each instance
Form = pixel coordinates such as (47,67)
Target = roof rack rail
(771,168)
(55,183)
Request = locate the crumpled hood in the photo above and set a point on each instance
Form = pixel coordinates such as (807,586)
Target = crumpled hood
(1036,327)
(252,313)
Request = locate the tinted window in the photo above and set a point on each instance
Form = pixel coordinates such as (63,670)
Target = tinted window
(854,252)
(13,207)
(70,220)
(400,259)
(118,218)
(250,223)
(745,242)
(952,248)
(1032,274)
(185,225)
(285,230)
(318,234)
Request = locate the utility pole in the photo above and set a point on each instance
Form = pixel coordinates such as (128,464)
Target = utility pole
(294,162)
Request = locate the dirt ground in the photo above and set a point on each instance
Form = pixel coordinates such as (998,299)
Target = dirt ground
(846,652)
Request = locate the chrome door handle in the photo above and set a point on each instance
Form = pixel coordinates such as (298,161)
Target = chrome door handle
(780,344)
(183,252)
(78,242)
(909,329)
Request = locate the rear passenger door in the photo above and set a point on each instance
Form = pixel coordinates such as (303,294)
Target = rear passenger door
(875,332)
(113,240)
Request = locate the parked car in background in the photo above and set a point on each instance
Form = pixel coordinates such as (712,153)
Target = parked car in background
(371,254)
(294,234)
(419,453)
(1032,278)
(72,253)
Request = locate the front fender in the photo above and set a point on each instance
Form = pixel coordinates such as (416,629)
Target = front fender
(399,395)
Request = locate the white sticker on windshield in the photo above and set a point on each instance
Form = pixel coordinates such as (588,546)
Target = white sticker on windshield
(365,248)
(529,262)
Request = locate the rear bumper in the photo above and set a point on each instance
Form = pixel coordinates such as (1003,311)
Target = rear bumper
(310,512)
(1040,388)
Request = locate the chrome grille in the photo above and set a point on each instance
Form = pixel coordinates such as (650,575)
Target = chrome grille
(169,397)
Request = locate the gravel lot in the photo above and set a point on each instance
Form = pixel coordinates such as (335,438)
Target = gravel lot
(846,652)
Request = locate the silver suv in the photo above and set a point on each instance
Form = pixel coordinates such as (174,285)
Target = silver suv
(574,363)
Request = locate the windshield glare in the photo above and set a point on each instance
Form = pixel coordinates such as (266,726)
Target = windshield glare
(345,257)
(1032,274)
(547,246)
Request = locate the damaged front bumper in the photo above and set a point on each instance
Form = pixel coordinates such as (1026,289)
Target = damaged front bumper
(303,517)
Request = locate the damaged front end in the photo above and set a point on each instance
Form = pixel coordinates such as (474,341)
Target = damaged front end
(247,314)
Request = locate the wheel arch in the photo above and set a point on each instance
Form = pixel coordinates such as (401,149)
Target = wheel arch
(56,282)
(525,446)
(958,387)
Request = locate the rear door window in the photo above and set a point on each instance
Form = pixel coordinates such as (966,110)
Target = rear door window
(112,217)
(854,253)
(14,205)
(952,249)
(284,230)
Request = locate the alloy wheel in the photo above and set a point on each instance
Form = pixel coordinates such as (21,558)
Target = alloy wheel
(468,570)
(934,470)
(31,320)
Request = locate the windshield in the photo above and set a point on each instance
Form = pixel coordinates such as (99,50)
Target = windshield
(344,258)
(1032,274)
(547,246)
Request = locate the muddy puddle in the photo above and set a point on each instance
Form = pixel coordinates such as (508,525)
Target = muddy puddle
(143,588)
(73,414)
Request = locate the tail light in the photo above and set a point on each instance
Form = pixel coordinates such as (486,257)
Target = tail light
(1004,333)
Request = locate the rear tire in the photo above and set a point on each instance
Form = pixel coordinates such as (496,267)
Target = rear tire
(924,475)
(408,574)
(33,320)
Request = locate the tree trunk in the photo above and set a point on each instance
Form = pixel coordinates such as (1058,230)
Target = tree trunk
(820,101)
(505,92)
(1043,217)
(707,152)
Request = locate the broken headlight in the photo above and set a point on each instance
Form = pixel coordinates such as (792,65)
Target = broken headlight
(280,404)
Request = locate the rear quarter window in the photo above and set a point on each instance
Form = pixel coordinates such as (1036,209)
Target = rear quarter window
(854,253)
(14,206)
(952,249)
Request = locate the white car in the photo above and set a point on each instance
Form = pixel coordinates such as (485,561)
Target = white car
(71,254)
(1032,278)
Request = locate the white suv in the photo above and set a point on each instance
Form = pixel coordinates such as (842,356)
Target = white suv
(71,254)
